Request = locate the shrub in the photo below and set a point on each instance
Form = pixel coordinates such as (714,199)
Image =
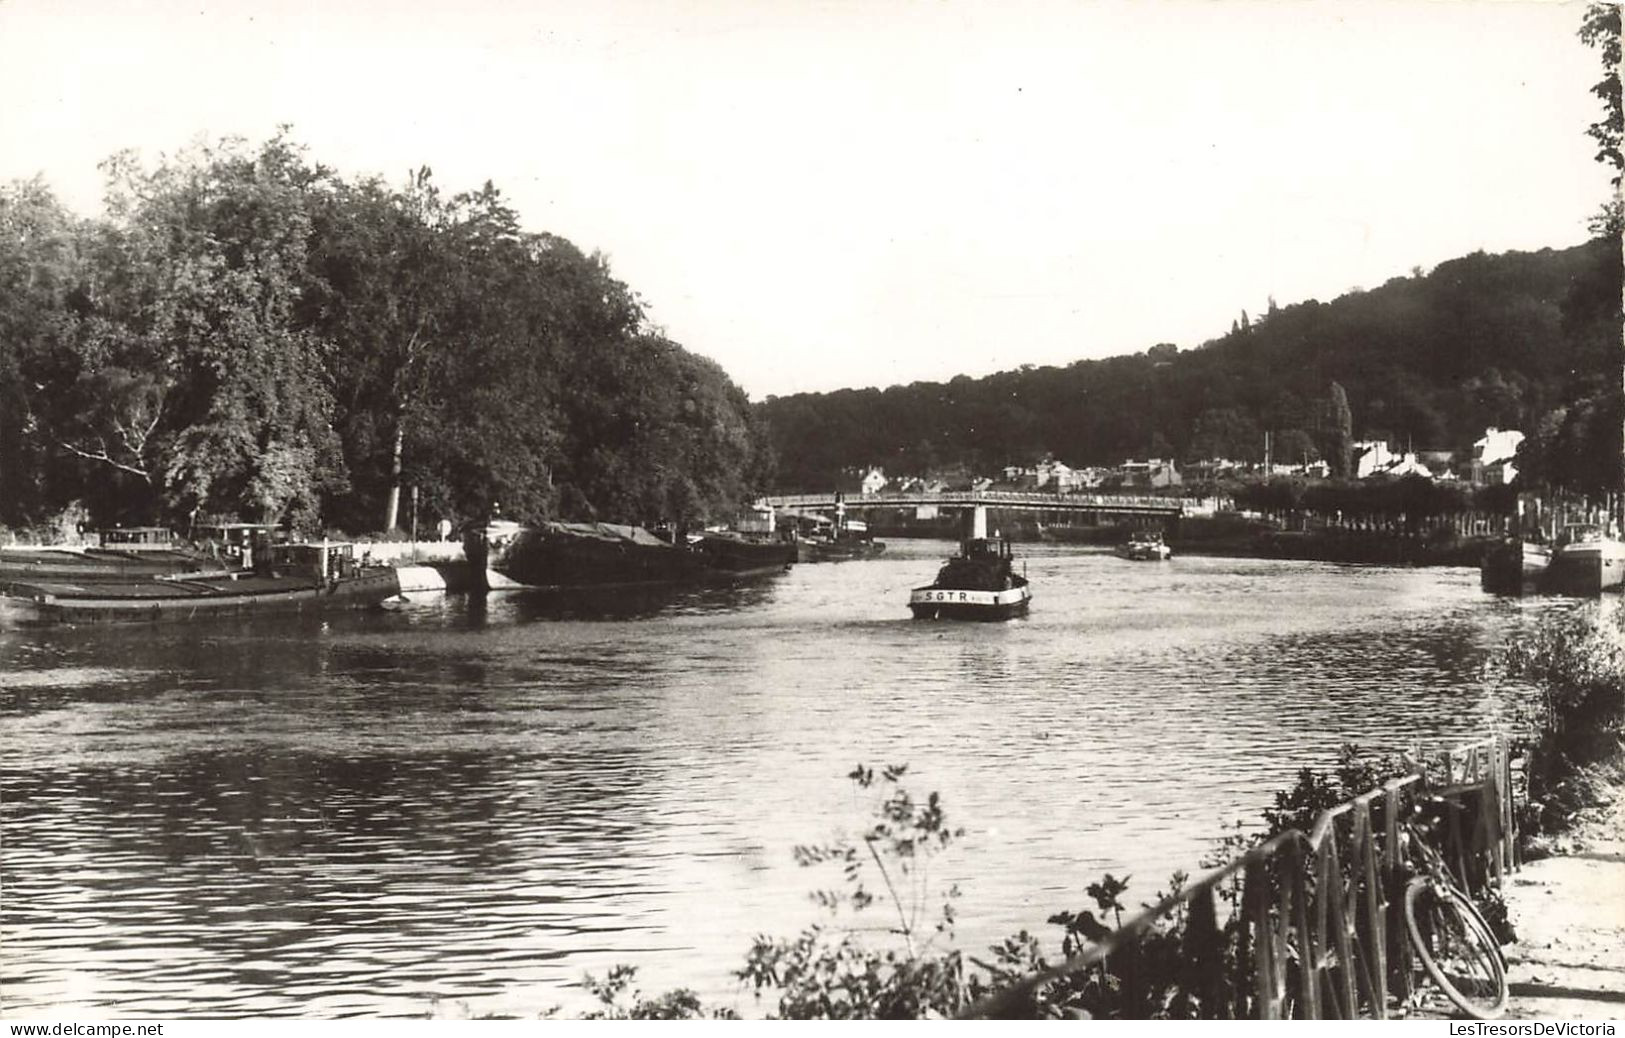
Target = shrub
(1575,660)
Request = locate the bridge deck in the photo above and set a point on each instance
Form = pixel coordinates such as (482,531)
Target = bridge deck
(1013,500)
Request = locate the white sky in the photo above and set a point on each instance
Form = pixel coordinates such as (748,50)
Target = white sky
(821,194)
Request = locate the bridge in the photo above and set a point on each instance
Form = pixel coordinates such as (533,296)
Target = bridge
(1096,504)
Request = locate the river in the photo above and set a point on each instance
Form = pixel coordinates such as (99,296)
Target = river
(465,805)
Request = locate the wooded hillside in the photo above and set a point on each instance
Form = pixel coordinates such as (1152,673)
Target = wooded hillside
(1425,360)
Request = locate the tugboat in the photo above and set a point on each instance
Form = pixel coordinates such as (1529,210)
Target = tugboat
(980,583)
(821,539)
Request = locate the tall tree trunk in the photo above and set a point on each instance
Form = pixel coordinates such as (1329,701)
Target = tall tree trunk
(392,510)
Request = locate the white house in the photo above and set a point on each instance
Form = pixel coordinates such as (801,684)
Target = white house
(1407,464)
(874,481)
(1493,455)
(1056,476)
(1154,472)
(1371,457)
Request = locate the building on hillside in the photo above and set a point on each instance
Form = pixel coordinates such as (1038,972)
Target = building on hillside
(1090,478)
(1407,464)
(1494,456)
(1154,474)
(862,481)
(1057,477)
(1443,464)
(921,485)
(1371,457)
(1209,469)
(1318,469)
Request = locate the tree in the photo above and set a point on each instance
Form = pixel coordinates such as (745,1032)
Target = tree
(1340,433)
(41,277)
(1599,28)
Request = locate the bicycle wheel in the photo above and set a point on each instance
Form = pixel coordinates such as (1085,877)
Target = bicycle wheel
(1456,947)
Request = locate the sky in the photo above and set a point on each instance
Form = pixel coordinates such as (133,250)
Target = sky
(829,193)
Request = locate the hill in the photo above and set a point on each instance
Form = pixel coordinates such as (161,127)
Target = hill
(1427,360)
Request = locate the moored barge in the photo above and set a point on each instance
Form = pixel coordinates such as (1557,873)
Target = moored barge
(294,578)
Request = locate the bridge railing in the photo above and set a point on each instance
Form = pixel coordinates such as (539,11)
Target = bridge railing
(987,498)
(1314,927)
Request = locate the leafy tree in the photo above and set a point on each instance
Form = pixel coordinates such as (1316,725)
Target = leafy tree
(185,372)
(41,284)
(1599,28)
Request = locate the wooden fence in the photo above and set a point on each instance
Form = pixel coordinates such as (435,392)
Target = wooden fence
(1314,928)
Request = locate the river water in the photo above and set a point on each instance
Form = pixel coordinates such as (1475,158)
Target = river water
(464,806)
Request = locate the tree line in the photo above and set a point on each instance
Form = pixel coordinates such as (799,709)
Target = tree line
(244,334)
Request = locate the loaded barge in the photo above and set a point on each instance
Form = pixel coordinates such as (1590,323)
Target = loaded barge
(289,578)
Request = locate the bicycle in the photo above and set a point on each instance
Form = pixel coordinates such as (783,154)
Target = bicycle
(1455,944)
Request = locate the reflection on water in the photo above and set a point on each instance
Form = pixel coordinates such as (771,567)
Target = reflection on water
(480,799)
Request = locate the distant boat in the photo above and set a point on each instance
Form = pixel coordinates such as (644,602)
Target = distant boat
(1585,561)
(1144,547)
(980,583)
(820,539)
(294,578)
(837,549)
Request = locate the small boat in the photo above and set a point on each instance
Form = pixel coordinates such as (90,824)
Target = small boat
(1585,561)
(980,583)
(292,578)
(1144,547)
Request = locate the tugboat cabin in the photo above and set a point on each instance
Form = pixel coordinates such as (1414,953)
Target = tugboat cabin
(235,541)
(326,562)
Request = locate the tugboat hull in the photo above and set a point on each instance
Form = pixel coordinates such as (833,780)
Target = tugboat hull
(936,603)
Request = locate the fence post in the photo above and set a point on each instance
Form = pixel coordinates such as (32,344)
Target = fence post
(1374,960)
(1308,951)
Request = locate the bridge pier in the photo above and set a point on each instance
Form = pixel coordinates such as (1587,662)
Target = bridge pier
(976,522)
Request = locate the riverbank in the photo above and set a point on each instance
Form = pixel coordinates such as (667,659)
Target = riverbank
(1569,911)
(1565,903)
